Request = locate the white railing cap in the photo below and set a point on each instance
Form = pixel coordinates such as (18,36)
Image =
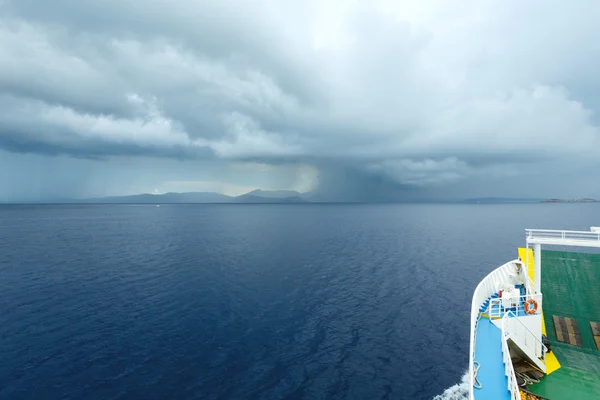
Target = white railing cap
(593,230)
(563,237)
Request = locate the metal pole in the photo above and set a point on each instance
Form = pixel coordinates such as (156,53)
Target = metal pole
(527,261)
(537,257)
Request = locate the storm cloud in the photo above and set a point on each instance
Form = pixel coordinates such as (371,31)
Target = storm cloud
(372,97)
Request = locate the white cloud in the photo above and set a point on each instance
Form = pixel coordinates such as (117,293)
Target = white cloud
(245,138)
(421,92)
(307,179)
(253,166)
(422,172)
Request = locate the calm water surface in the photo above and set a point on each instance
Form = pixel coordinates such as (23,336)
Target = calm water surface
(249,301)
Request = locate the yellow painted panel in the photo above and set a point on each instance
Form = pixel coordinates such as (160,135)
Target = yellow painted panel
(528,262)
(552,363)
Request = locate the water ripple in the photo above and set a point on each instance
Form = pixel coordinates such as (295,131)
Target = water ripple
(257,302)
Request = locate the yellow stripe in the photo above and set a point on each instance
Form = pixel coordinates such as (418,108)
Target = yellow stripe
(552,363)
(528,261)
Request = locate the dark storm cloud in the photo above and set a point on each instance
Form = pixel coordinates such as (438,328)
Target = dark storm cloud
(384,96)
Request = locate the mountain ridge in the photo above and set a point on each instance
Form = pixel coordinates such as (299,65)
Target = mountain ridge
(260,196)
(255,196)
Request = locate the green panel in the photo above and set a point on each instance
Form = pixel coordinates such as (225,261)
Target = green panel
(571,288)
(568,384)
(575,357)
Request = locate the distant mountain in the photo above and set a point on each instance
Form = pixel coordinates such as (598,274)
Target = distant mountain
(584,200)
(248,198)
(289,196)
(273,194)
(147,198)
(256,196)
(270,196)
(503,200)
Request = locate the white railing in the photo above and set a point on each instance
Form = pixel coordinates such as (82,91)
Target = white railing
(511,329)
(473,378)
(525,339)
(509,371)
(486,288)
(500,306)
(530,285)
(549,236)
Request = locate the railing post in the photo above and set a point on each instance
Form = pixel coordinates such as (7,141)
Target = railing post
(537,263)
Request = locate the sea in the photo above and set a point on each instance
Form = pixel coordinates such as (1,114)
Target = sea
(233,301)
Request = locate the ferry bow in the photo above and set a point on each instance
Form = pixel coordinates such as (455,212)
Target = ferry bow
(535,322)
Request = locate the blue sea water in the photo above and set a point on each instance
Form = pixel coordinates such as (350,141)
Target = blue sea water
(249,301)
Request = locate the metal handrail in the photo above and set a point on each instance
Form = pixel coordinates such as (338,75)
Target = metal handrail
(509,370)
(563,238)
(520,300)
(474,376)
(531,333)
(530,286)
(486,288)
(555,234)
(557,231)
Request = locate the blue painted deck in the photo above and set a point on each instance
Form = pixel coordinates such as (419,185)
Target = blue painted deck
(488,352)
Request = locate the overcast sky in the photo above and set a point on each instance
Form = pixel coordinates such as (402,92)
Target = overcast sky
(353,99)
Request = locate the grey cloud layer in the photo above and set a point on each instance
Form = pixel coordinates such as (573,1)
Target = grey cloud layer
(422,95)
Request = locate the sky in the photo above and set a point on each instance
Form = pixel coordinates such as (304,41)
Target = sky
(353,100)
